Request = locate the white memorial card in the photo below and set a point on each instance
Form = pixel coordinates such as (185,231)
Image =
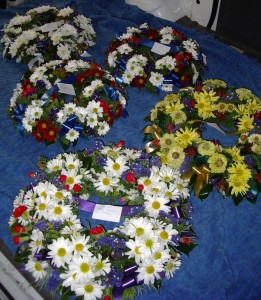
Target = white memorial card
(160,48)
(109,213)
(66,88)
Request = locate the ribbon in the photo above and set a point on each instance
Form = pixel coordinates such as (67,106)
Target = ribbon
(69,124)
(149,44)
(18,116)
(89,206)
(156,131)
(111,92)
(130,279)
(202,176)
(38,58)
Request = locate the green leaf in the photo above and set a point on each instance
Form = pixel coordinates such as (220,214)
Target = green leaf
(238,199)
(158,284)
(186,248)
(205,191)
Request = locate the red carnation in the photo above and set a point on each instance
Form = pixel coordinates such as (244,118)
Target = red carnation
(140,81)
(105,107)
(66,187)
(19,229)
(19,211)
(152,34)
(77,188)
(62,178)
(120,144)
(50,133)
(130,177)
(96,230)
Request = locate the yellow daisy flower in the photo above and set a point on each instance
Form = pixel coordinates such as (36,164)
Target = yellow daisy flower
(186,137)
(214,82)
(172,107)
(239,170)
(222,107)
(166,141)
(256,148)
(153,114)
(217,163)
(238,186)
(254,106)
(235,153)
(205,103)
(244,94)
(172,98)
(241,110)
(242,138)
(178,117)
(175,156)
(206,148)
(255,139)
(245,123)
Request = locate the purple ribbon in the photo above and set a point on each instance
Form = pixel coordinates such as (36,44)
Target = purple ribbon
(130,279)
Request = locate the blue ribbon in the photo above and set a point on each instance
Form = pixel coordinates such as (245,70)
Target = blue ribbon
(69,124)
(111,92)
(18,116)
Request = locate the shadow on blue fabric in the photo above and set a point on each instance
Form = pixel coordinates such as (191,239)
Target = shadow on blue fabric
(226,264)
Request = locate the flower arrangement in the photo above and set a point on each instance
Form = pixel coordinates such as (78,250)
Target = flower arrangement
(155,59)
(46,33)
(147,201)
(175,135)
(62,101)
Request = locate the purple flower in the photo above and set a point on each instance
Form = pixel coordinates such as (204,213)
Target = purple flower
(53,281)
(101,161)
(41,225)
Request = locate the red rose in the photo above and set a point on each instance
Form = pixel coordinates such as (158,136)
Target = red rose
(19,211)
(130,177)
(16,240)
(62,178)
(140,187)
(96,230)
(77,188)
(186,240)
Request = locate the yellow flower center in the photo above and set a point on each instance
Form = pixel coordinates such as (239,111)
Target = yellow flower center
(139,231)
(106,181)
(59,195)
(79,247)
(170,266)
(37,243)
(150,270)
(156,205)
(157,255)
(43,194)
(116,166)
(180,186)
(168,142)
(147,182)
(70,180)
(99,265)
(149,243)
(42,206)
(88,288)
(164,235)
(61,252)
(84,268)
(175,155)
(57,210)
(136,250)
(38,267)
(71,166)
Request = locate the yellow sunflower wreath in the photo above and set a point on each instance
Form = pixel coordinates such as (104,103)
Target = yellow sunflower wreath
(175,135)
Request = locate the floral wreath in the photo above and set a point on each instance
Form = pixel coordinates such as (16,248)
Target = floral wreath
(66,255)
(175,135)
(155,59)
(46,33)
(65,100)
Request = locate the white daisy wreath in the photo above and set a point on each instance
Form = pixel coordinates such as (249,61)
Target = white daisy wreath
(46,33)
(68,255)
(157,59)
(62,101)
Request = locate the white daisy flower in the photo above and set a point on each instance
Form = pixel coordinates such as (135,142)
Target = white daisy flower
(101,266)
(162,255)
(124,49)
(82,267)
(165,234)
(166,38)
(60,251)
(69,108)
(127,77)
(36,243)
(42,207)
(172,192)
(42,188)
(81,246)
(94,107)
(71,161)
(97,83)
(68,30)
(148,182)
(149,244)
(156,79)
(112,57)
(171,266)
(81,113)
(137,227)
(134,252)
(149,270)
(68,279)
(103,128)
(56,37)
(73,228)
(64,12)
(54,165)
(116,167)
(154,204)
(28,124)
(90,290)
(72,135)
(36,267)
(58,194)
(63,51)
(59,212)
(92,120)
(105,183)
(182,185)
(72,177)
(166,30)
(36,112)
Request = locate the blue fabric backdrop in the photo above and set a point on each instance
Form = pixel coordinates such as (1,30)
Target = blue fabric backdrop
(226,264)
